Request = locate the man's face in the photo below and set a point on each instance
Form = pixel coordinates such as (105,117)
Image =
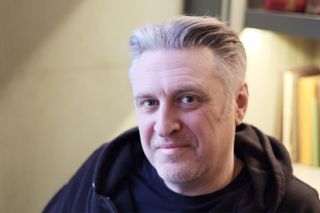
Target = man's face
(186,122)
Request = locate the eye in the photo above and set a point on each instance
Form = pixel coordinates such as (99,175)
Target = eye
(188,99)
(148,103)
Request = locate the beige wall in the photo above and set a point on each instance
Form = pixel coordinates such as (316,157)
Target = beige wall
(63,88)
(268,55)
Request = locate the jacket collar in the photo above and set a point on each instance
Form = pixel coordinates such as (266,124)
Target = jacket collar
(268,163)
(115,163)
(266,159)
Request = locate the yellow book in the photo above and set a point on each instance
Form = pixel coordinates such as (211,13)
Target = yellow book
(316,123)
(307,96)
(315,133)
(289,121)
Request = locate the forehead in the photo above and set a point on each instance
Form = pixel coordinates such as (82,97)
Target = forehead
(173,69)
(169,59)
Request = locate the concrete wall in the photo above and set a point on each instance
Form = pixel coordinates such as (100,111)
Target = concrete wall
(63,88)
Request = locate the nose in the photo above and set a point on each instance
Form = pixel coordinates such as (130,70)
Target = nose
(167,122)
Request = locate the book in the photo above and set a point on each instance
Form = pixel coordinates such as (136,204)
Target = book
(307,115)
(313,6)
(315,128)
(289,121)
(285,5)
(315,132)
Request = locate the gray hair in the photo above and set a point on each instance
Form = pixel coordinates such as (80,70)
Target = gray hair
(192,32)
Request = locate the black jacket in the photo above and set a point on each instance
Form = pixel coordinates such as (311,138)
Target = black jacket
(104,176)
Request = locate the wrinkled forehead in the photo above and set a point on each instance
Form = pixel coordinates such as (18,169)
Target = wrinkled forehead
(198,60)
(202,64)
(168,71)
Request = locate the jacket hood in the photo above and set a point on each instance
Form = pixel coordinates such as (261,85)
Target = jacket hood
(266,159)
(268,163)
(116,161)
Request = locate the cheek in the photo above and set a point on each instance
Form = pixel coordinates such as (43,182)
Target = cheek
(145,138)
(201,121)
(202,126)
(145,125)
(211,131)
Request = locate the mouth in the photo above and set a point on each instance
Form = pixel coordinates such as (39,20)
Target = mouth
(171,146)
(171,149)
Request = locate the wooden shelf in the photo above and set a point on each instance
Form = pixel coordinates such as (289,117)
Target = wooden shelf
(298,24)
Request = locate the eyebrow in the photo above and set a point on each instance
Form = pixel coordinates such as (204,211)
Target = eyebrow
(176,92)
(143,96)
(188,88)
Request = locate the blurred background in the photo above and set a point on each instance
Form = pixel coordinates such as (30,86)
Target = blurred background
(64,88)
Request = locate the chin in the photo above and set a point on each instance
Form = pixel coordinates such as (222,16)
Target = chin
(179,173)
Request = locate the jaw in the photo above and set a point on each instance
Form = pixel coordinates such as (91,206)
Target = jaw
(191,178)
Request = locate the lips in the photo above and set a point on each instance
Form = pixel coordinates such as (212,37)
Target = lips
(172,149)
(172,146)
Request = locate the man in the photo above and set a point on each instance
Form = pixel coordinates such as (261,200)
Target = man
(191,151)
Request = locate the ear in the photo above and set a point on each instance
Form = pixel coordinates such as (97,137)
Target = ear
(242,96)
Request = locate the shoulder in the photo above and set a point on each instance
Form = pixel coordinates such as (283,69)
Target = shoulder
(80,185)
(300,197)
(73,195)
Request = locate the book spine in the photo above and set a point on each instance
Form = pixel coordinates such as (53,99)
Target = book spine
(307,97)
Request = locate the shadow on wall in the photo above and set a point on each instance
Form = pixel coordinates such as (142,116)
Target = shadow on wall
(51,113)
(24,26)
(63,88)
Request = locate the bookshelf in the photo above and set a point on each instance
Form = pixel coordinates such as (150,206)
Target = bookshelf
(300,25)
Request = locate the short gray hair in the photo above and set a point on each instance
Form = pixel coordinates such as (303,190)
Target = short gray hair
(192,32)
